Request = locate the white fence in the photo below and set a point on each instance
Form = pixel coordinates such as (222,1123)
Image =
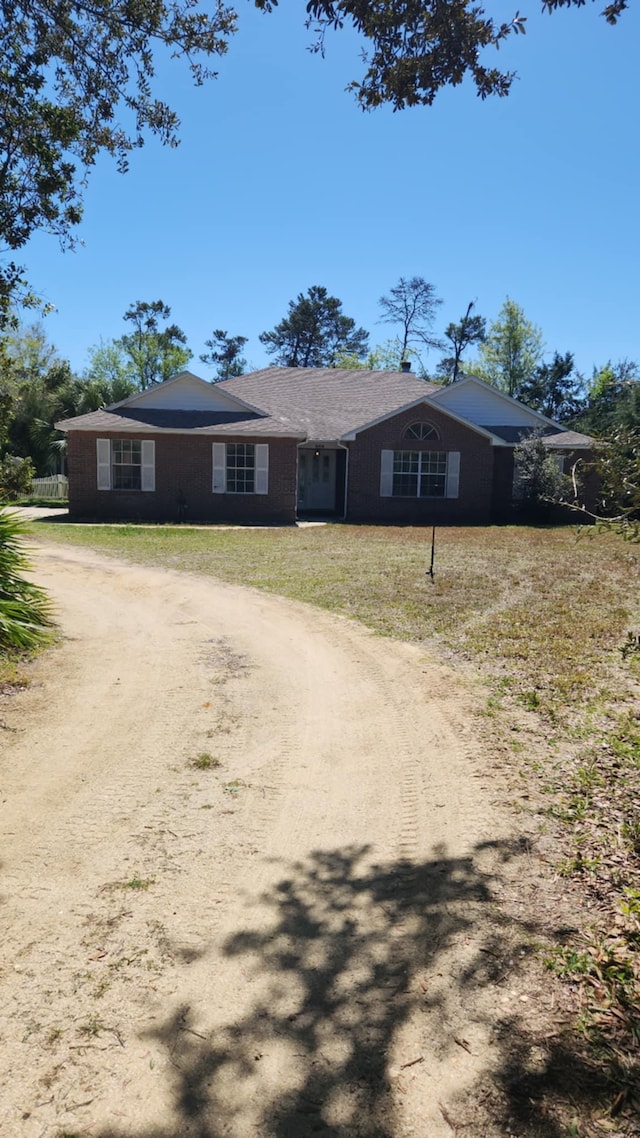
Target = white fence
(56,486)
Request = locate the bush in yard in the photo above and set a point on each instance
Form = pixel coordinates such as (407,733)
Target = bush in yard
(25,610)
(540,481)
(16,476)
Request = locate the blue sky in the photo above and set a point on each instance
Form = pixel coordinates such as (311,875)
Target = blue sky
(281,182)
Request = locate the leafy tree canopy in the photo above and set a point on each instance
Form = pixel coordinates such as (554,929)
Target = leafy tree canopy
(225,354)
(155,353)
(613,400)
(315,332)
(554,389)
(72,76)
(386,356)
(417,47)
(37,382)
(108,377)
(77,80)
(511,351)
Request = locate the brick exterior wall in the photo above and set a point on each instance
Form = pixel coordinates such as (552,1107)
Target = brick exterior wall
(503,508)
(474,503)
(183,473)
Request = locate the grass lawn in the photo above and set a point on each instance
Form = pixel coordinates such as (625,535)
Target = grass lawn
(541,610)
(550,618)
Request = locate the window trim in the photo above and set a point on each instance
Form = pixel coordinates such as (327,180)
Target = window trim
(104,463)
(452,477)
(260,469)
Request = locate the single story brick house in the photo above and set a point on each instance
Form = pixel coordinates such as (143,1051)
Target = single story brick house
(285,443)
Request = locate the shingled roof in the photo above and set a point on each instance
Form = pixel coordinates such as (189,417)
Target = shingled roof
(327,403)
(314,404)
(153,420)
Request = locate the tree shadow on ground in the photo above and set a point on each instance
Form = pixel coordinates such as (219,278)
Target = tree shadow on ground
(338,974)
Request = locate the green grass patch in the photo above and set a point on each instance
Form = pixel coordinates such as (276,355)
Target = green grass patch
(137,884)
(205,762)
(46,503)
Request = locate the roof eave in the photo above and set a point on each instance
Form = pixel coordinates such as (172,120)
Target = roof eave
(145,429)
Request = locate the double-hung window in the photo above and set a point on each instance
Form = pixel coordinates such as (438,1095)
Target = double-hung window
(126,464)
(240,468)
(419,474)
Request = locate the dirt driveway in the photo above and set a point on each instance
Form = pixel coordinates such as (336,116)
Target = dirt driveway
(250,860)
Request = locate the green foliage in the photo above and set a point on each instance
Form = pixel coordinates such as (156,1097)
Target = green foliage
(16,476)
(39,386)
(77,81)
(512,350)
(205,761)
(383,357)
(154,353)
(315,333)
(613,400)
(225,354)
(415,49)
(540,482)
(71,75)
(108,378)
(25,610)
(617,465)
(554,389)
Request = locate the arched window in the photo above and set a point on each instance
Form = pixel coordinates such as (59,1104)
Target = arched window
(421,431)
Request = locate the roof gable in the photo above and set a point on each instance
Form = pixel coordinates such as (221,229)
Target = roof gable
(481,403)
(429,403)
(187,392)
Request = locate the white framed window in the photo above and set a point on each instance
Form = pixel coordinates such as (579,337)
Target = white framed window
(419,474)
(126,464)
(240,468)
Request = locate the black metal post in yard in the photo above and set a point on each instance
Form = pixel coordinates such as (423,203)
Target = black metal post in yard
(433,551)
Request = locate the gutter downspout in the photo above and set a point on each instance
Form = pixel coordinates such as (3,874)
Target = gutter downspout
(344,447)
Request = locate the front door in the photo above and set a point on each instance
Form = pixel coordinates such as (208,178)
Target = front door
(317,480)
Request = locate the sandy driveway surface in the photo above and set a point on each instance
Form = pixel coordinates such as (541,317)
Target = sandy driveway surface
(244,888)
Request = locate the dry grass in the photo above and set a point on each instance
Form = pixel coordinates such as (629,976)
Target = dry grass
(538,607)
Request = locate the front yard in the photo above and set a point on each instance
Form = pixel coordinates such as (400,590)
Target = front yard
(549,621)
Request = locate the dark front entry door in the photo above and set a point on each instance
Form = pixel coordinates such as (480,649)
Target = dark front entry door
(316,480)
